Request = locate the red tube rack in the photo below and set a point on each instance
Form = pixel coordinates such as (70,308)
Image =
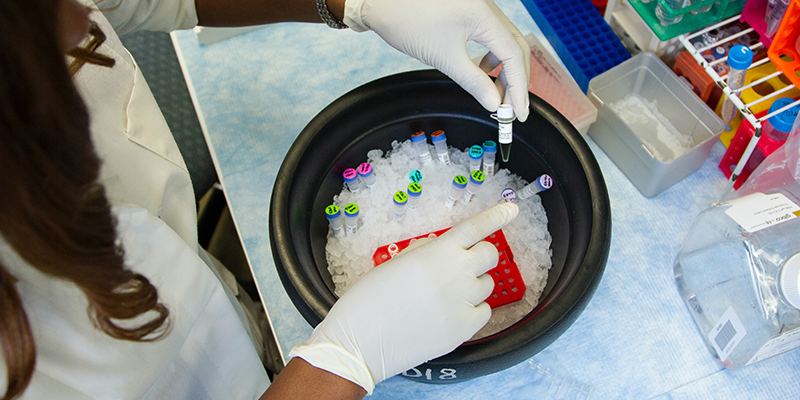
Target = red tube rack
(508,284)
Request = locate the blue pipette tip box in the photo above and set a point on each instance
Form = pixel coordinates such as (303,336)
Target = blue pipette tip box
(580,36)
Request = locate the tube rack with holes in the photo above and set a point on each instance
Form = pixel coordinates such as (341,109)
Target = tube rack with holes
(508,284)
(747,114)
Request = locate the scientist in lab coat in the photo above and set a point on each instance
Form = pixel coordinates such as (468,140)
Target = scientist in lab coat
(104,291)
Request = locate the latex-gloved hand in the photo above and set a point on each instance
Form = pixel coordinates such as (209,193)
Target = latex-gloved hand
(436,32)
(415,307)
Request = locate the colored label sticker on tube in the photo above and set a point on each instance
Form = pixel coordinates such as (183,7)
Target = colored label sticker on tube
(349,174)
(478,176)
(508,195)
(400,197)
(415,176)
(460,179)
(364,168)
(415,188)
(351,208)
(332,209)
(476,151)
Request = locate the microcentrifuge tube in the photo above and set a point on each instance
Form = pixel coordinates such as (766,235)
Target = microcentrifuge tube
(504,117)
(335,220)
(508,195)
(400,199)
(439,140)
(421,144)
(489,152)
(475,158)
(414,193)
(351,217)
(456,189)
(415,176)
(351,178)
(475,181)
(541,184)
(365,172)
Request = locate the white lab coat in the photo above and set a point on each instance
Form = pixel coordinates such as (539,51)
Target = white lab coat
(208,353)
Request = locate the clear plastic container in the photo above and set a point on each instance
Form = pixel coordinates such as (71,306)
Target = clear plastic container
(739,60)
(351,217)
(400,199)
(414,193)
(474,185)
(489,154)
(421,144)
(456,190)
(475,158)
(366,174)
(335,220)
(439,140)
(738,273)
(675,5)
(774,15)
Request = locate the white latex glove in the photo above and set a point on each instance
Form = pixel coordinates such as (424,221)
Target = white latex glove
(415,307)
(436,32)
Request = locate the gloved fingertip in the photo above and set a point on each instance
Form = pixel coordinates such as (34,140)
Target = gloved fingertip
(506,212)
(522,114)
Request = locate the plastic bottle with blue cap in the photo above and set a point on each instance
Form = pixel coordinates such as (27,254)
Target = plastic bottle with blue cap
(489,154)
(739,60)
(776,128)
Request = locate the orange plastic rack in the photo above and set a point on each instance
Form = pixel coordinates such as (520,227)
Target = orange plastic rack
(783,51)
(508,284)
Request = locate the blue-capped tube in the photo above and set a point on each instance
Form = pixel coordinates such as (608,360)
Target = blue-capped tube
(366,174)
(456,190)
(351,179)
(335,220)
(400,199)
(489,153)
(475,183)
(541,184)
(351,217)
(475,158)
(421,144)
(414,193)
(439,140)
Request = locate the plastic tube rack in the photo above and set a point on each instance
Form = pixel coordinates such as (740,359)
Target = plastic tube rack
(747,114)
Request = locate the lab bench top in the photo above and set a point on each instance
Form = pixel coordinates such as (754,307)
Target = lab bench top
(256,92)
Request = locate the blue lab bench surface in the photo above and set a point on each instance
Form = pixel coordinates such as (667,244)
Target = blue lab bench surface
(580,36)
(255,93)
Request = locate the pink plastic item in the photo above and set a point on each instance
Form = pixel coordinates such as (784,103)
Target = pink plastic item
(753,14)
